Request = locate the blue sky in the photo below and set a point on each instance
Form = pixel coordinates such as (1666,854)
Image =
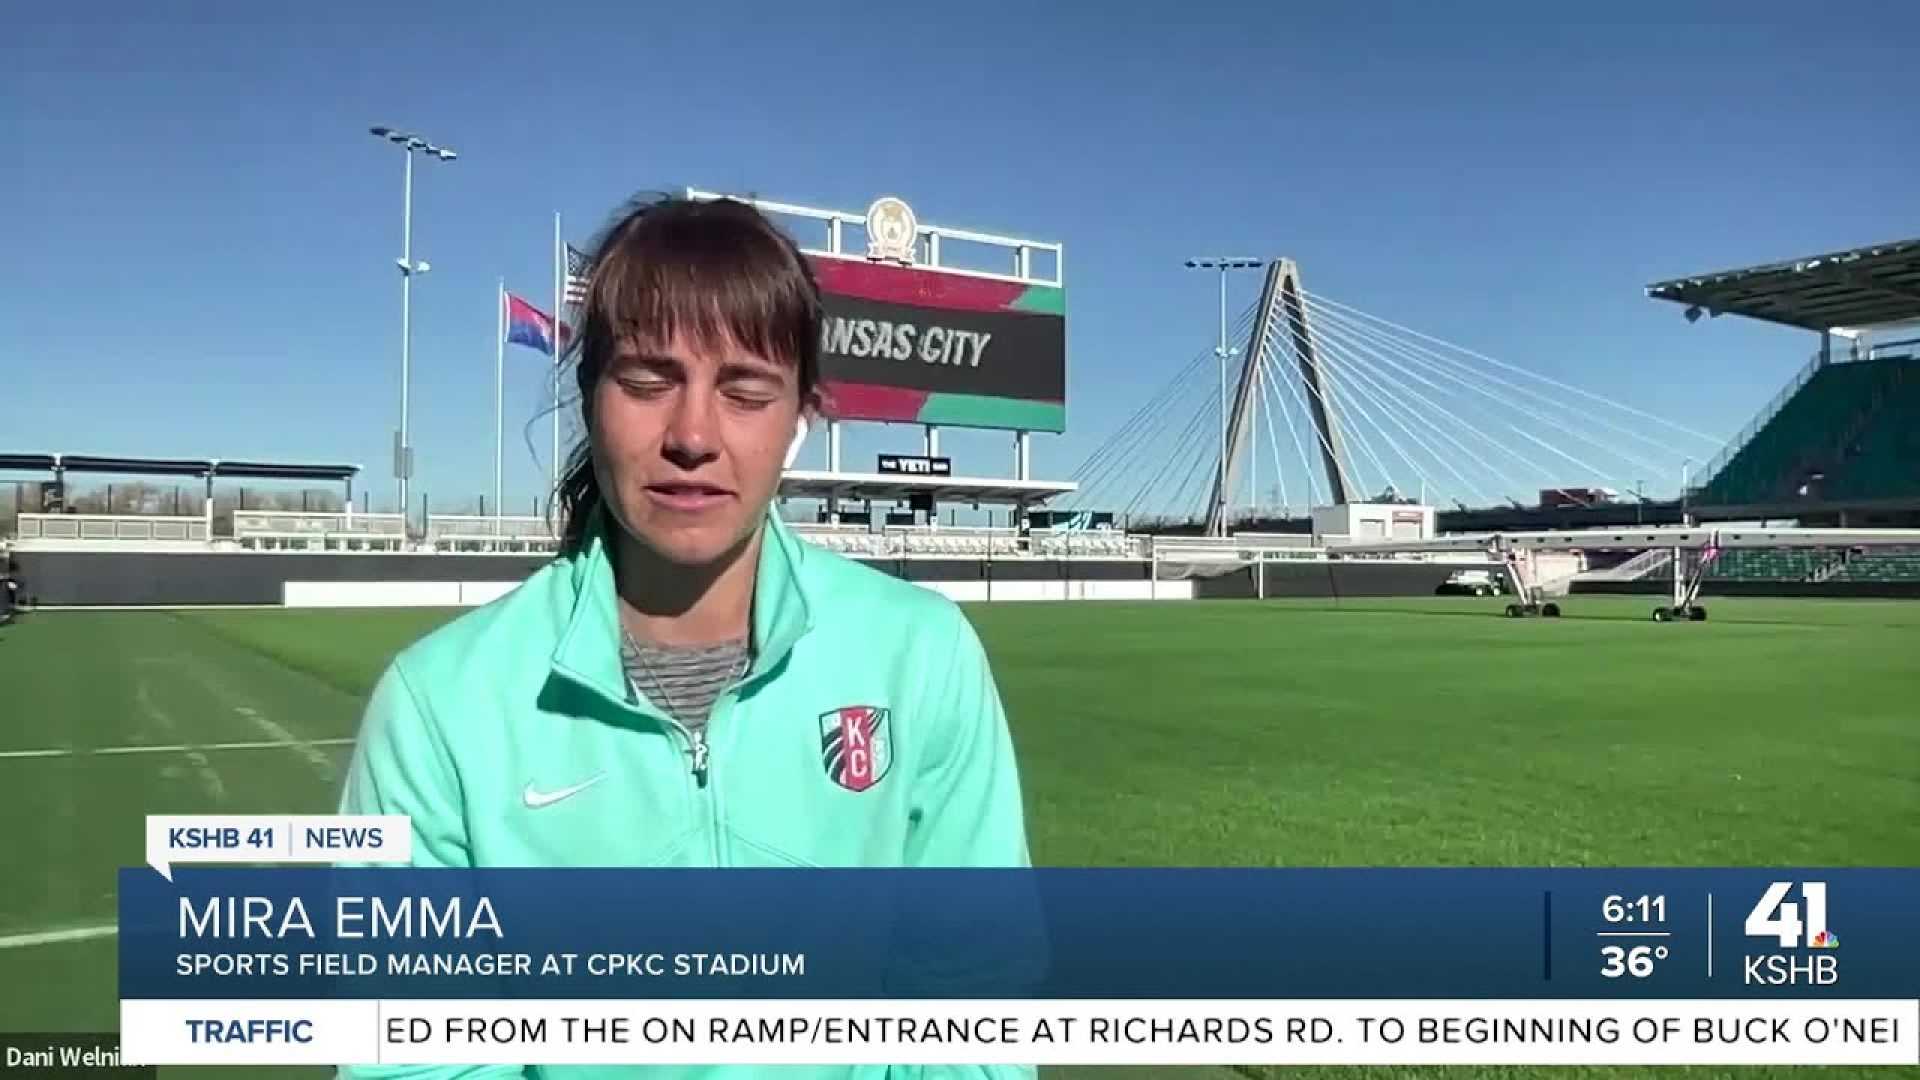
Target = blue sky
(200,233)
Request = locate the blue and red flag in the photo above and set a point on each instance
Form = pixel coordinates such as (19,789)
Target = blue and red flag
(528,325)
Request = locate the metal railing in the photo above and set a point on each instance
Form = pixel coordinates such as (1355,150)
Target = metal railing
(1800,379)
(1760,420)
(977,542)
(927,241)
(487,527)
(1089,544)
(249,523)
(1908,349)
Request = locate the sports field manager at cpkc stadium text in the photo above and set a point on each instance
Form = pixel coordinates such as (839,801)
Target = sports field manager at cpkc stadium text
(688,684)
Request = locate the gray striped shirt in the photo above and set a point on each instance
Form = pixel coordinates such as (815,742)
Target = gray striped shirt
(683,681)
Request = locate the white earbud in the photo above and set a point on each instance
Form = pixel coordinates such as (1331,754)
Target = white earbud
(799,438)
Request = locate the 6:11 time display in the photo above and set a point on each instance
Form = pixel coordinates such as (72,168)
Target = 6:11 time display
(1639,909)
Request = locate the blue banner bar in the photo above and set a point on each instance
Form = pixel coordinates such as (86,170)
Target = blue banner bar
(1051,933)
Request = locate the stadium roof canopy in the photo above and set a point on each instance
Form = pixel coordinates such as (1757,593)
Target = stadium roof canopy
(888,487)
(26,462)
(131,466)
(271,470)
(1857,289)
(138,466)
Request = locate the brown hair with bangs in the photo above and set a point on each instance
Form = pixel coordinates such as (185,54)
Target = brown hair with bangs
(711,270)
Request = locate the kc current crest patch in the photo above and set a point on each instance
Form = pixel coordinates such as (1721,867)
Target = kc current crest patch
(856,745)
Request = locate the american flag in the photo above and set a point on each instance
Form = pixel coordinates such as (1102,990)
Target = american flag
(578,267)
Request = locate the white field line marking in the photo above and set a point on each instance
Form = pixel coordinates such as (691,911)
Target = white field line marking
(272,729)
(254,715)
(321,763)
(209,776)
(179,748)
(56,937)
(244,706)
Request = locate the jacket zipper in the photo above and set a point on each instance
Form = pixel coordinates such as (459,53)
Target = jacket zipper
(699,792)
(696,747)
(703,763)
(701,766)
(700,757)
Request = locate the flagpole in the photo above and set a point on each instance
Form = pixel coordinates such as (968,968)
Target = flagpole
(559,318)
(500,392)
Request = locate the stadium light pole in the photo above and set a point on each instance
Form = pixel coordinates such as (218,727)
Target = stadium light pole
(1225,265)
(411,144)
(1686,469)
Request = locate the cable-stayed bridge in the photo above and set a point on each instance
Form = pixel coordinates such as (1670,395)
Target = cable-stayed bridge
(1325,403)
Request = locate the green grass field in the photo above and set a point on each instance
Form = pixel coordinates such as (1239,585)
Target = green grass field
(1409,732)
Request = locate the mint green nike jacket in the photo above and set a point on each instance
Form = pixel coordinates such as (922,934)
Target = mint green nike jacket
(868,731)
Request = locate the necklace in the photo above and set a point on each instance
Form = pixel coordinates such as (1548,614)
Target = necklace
(736,669)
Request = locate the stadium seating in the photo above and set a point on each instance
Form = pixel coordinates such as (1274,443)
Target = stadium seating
(1772,564)
(960,542)
(854,541)
(953,541)
(1848,432)
(1088,544)
(1883,460)
(269,530)
(1881,564)
(482,533)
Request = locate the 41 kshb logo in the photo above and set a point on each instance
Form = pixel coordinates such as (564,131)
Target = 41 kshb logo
(1779,918)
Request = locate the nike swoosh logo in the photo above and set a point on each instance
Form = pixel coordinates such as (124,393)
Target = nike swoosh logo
(535,798)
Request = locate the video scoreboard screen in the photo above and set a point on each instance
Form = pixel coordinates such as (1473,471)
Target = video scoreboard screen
(364,963)
(918,344)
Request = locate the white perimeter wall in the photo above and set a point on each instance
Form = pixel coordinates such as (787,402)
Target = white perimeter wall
(393,593)
(978,591)
(474,593)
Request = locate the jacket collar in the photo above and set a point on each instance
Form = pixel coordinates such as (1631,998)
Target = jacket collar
(588,652)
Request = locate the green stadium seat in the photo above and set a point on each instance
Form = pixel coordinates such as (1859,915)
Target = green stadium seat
(1856,425)
(1771,564)
(1884,459)
(1882,564)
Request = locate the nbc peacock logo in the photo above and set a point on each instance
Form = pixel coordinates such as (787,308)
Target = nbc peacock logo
(1825,939)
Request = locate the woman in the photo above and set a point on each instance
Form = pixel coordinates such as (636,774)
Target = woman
(689,684)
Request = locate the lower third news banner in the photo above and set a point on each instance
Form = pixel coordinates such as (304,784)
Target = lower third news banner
(851,967)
